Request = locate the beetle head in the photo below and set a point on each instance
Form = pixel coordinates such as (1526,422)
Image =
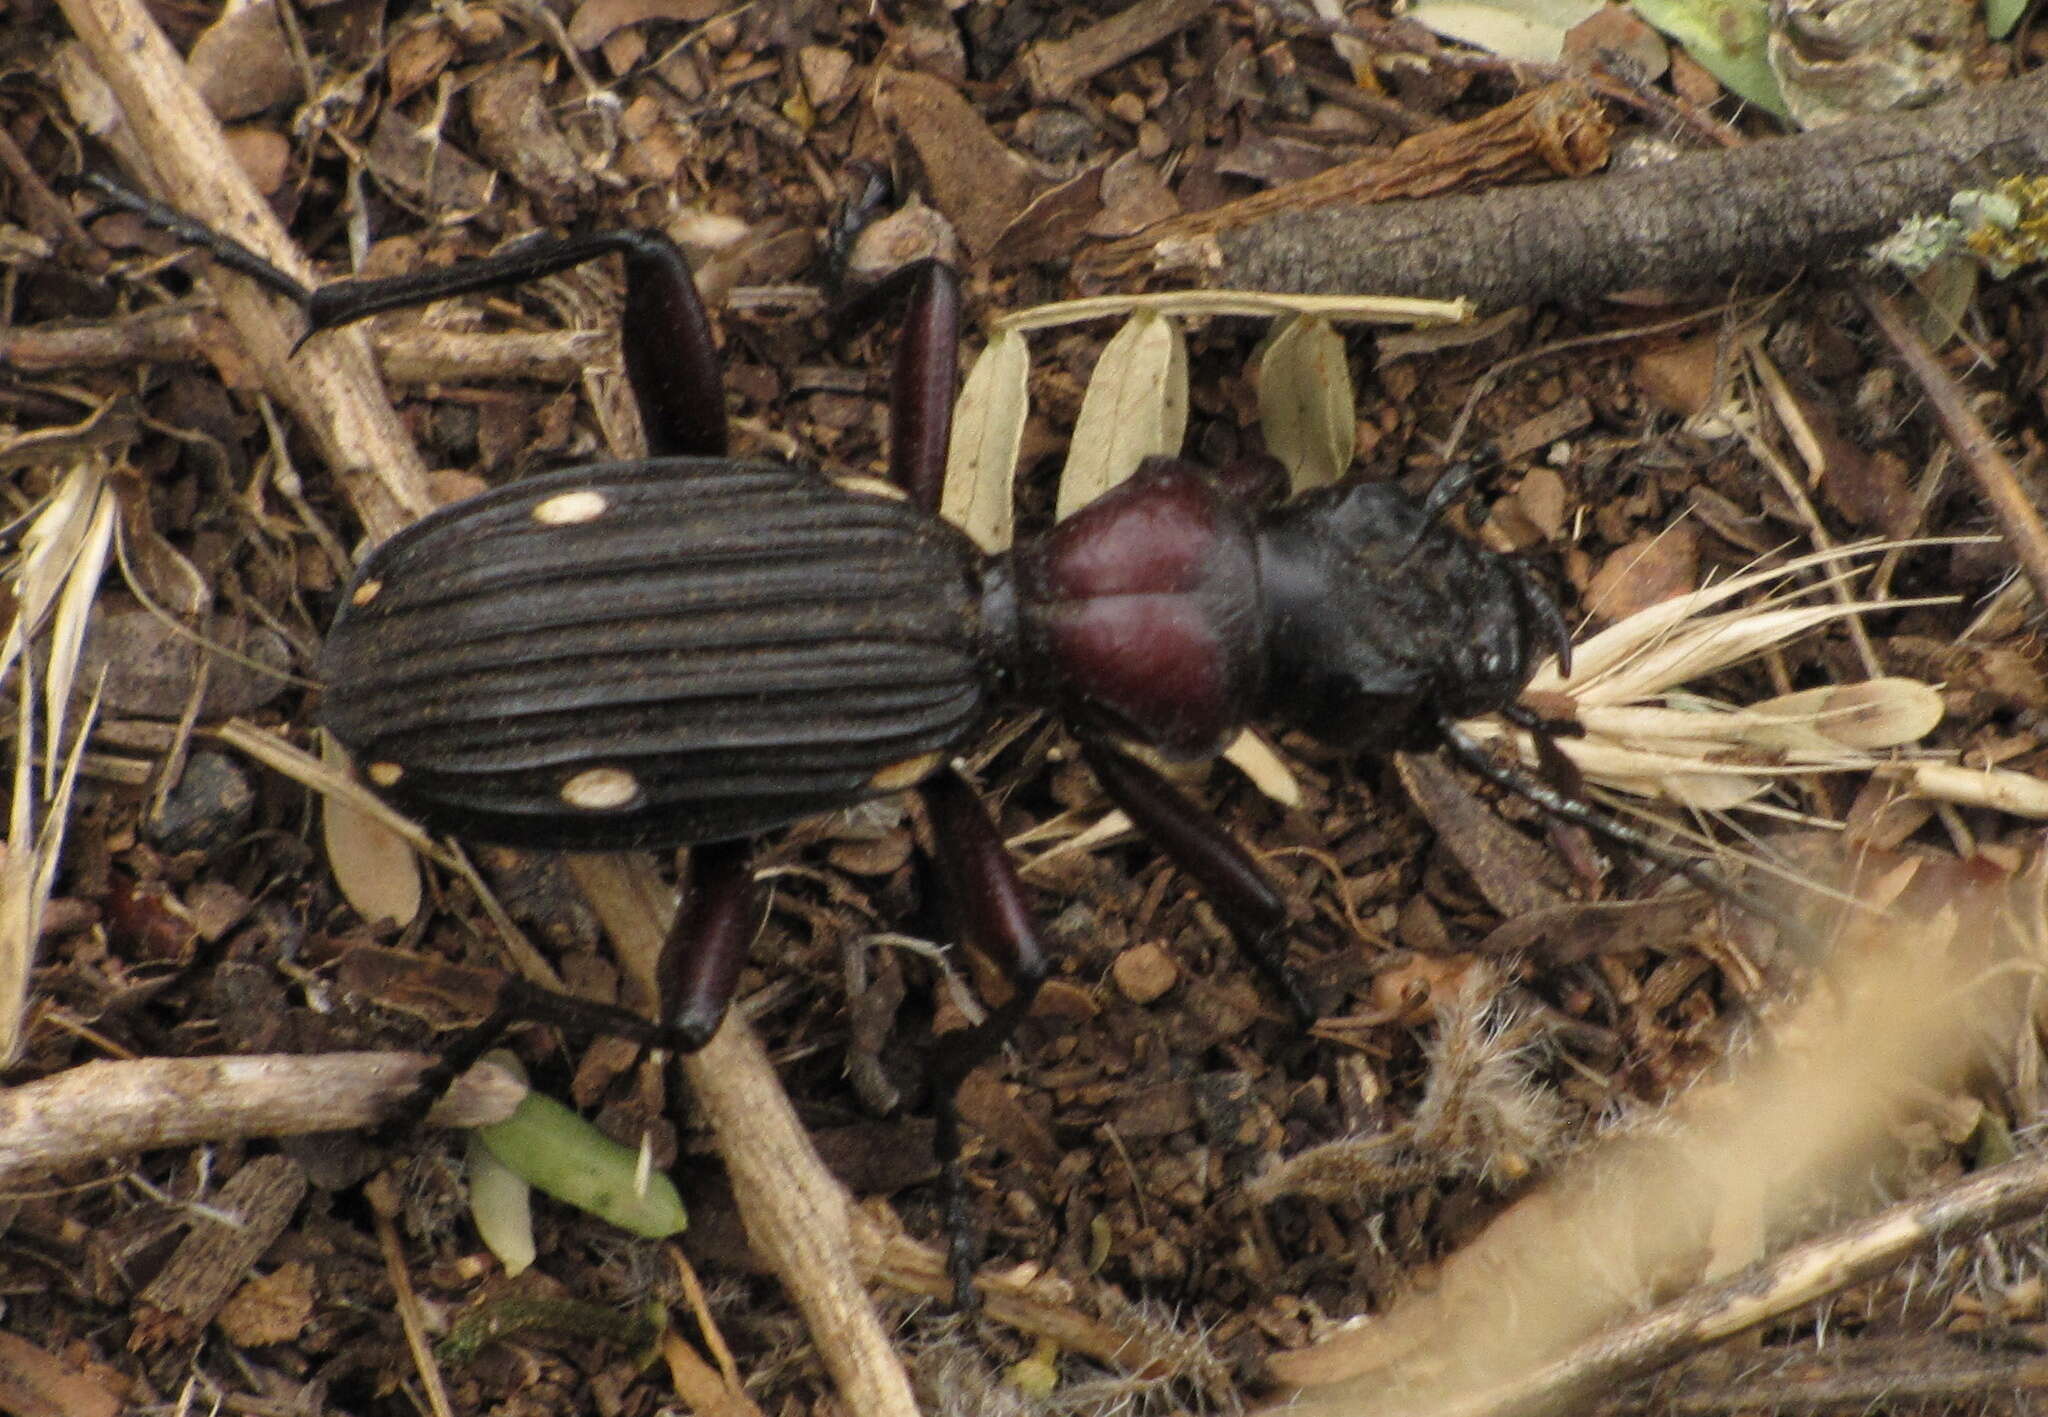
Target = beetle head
(1379,621)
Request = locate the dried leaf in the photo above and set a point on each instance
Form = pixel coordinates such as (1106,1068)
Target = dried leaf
(988,431)
(1644,572)
(970,172)
(1136,407)
(1529,30)
(1306,409)
(375,868)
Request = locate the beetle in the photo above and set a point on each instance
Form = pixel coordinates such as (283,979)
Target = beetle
(694,649)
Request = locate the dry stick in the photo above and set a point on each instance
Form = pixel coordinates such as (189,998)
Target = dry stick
(330,384)
(1848,1375)
(1812,1271)
(797,1217)
(1701,218)
(102,1110)
(1980,452)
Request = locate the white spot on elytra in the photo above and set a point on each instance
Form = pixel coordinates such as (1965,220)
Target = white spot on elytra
(907,773)
(386,774)
(571,508)
(874,486)
(366,592)
(601,789)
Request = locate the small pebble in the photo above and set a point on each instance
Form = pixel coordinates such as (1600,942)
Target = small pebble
(1144,972)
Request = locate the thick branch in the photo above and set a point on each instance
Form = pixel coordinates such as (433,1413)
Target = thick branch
(1761,210)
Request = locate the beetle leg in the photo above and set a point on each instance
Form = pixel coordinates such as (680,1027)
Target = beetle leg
(696,975)
(980,879)
(1242,893)
(671,360)
(926,379)
(701,958)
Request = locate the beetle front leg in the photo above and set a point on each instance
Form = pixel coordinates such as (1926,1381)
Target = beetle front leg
(1242,894)
(982,883)
(927,377)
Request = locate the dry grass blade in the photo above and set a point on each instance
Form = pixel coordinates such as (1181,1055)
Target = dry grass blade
(988,431)
(1204,304)
(1306,408)
(1619,649)
(29,867)
(66,543)
(1644,736)
(373,864)
(2019,793)
(1136,407)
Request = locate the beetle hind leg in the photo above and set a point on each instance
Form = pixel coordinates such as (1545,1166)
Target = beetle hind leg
(697,974)
(981,882)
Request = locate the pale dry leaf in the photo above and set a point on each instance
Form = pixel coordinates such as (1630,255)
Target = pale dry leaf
(1306,408)
(988,431)
(1136,407)
(1877,713)
(1530,30)
(376,869)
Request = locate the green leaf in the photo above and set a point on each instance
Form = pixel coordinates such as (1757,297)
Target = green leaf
(554,1150)
(1727,38)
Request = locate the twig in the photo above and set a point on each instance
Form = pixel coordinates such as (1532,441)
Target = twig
(101,1110)
(1995,474)
(384,1204)
(330,385)
(1700,218)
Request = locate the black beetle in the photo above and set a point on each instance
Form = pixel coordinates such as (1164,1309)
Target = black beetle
(692,649)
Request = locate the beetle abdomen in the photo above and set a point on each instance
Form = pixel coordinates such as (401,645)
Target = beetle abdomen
(654,653)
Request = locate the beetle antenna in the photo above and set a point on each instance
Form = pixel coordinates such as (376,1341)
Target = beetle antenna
(1474,755)
(223,248)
